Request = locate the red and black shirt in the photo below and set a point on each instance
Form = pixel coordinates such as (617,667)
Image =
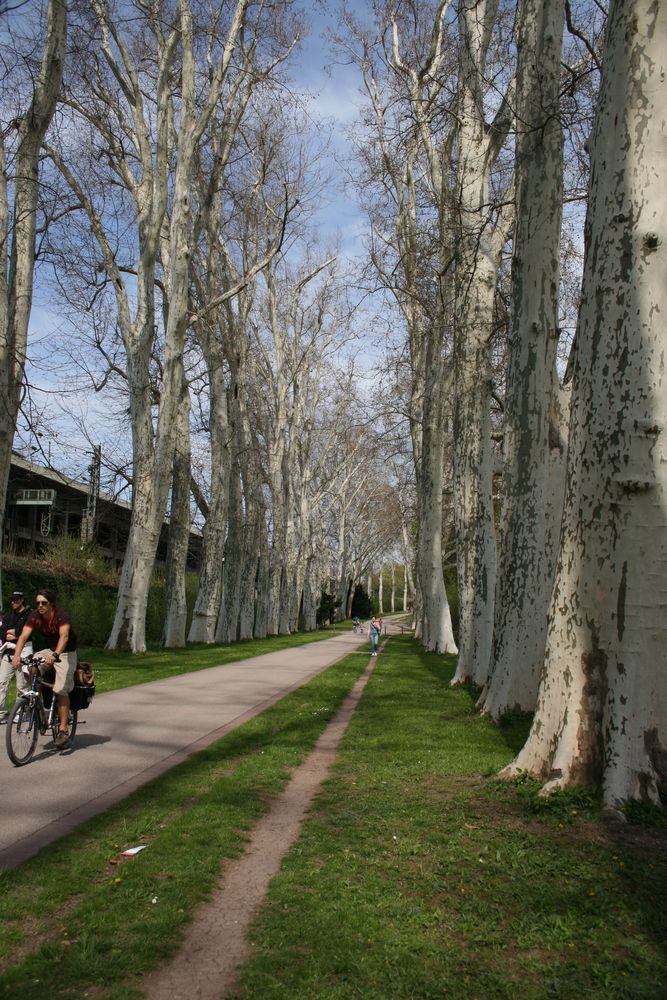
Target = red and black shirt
(49,627)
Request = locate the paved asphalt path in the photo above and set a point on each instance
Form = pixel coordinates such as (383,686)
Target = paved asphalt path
(128,737)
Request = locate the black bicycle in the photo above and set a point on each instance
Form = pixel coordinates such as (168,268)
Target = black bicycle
(36,713)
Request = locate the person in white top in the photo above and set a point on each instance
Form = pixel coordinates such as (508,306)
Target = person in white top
(12,626)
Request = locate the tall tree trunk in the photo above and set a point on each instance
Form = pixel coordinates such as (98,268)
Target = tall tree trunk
(207,606)
(342,567)
(288,578)
(173,634)
(149,496)
(247,455)
(229,610)
(278,543)
(408,582)
(601,715)
(296,604)
(262,616)
(479,250)
(17,234)
(473,463)
(311,595)
(534,437)
(436,631)
(249,573)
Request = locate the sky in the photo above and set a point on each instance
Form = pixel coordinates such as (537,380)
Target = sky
(334,99)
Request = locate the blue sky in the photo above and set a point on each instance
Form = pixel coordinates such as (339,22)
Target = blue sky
(334,91)
(336,99)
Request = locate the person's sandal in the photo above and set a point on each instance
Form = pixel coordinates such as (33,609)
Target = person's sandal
(62,739)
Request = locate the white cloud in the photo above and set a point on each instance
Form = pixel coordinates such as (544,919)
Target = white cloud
(341,104)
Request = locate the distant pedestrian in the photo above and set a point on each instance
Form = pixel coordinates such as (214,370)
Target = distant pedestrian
(373,635)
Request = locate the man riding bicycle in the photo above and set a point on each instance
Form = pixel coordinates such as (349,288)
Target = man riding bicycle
(55,626)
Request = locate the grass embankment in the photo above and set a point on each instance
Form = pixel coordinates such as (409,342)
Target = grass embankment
(415,876)
(78,920)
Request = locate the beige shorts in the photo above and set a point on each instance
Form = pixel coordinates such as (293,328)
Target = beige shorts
(64,681)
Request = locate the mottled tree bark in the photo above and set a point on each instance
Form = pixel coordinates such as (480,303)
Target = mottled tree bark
(534,435)
(207,606)
(17,232)
(479,245)
(173,634)
(601,716)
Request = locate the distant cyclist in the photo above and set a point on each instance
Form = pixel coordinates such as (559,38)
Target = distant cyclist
(54,624)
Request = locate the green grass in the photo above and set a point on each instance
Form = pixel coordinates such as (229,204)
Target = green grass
(80,917)
(417,877)
(417,874)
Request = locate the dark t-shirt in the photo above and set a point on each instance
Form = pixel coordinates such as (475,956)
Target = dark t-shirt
(50,628)
(17,619)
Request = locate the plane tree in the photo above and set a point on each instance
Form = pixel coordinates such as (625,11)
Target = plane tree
(141,100)
(21,137)
(534,414)
(404,177)
(601,715)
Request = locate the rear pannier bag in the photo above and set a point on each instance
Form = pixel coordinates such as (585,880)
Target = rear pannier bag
(83,691)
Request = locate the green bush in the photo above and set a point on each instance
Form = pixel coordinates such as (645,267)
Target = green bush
(646,813)
(361,602)
(91,602)
(155,610)
(92,614)
(326,610)
(65,555)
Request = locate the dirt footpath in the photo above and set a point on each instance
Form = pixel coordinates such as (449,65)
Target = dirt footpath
(206,965)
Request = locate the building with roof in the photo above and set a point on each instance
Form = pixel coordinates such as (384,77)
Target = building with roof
(42,503)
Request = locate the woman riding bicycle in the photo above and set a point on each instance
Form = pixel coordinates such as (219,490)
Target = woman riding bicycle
(55,626)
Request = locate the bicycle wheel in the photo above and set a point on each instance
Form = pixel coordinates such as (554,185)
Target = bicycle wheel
(22,732)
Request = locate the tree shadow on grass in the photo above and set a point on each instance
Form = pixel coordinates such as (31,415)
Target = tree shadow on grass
(513,727)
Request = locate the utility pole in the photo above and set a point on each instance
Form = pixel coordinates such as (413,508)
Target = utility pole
(90,515)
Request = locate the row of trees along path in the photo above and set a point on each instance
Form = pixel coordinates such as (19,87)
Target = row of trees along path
(179,182)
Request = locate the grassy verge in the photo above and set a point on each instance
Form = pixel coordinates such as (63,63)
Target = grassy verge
(418,877)
(80,921)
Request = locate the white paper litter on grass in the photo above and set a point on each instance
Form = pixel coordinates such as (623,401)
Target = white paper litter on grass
(131,851)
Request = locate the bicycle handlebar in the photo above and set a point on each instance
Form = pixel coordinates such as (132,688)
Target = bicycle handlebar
(39,657)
